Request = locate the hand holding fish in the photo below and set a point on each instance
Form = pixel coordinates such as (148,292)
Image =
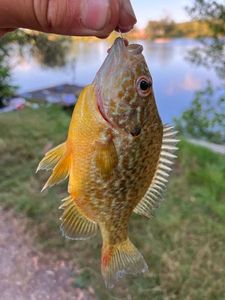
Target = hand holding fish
(71,17)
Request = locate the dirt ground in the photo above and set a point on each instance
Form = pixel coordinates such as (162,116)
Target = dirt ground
(28,274)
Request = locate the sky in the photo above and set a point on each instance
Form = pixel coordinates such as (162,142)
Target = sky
(146,10)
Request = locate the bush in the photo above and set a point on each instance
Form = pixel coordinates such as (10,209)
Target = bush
(205,118)
(6,90)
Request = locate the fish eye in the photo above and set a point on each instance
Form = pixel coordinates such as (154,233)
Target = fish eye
(143,86)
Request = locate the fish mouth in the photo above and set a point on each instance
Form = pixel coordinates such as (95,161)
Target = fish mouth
(135,49)
(122,43)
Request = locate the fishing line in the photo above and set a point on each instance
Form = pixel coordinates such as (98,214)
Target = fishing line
(121,34)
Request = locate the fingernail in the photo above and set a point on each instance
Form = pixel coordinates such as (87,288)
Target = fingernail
(95,14)
(129,9)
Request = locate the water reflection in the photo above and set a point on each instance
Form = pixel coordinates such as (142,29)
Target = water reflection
(162,52)
(175,79)
(188,83)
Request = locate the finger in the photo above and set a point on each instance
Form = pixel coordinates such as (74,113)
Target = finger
(112,21)
(127,18)
(5,30)
(71,17)
(89,18)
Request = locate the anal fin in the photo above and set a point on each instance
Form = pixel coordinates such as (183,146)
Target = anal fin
(74,225)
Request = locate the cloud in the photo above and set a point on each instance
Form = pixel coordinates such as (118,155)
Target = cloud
(189,83)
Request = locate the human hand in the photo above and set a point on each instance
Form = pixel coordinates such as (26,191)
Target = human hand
(68,17)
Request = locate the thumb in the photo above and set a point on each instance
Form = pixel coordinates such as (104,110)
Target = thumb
(86,17)
(70,17)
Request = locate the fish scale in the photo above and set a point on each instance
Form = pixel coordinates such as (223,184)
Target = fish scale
(136,178)
(118,156)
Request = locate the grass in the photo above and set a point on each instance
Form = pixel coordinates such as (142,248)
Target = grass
(183,245)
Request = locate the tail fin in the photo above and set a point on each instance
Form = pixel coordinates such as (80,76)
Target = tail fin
(119,260)
(58,159)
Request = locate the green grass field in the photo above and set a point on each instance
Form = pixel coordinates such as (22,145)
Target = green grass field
(184,244)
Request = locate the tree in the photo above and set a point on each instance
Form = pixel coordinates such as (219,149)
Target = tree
(211,52)
(163,28)
(206,116)
(6,90)
(50,50)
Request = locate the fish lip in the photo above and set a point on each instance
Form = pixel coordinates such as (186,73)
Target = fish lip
(122,44)
(135,49)
(118,41)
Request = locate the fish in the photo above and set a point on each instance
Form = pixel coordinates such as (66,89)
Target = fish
(117,157)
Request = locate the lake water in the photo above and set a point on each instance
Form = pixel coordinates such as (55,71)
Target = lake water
(175,79)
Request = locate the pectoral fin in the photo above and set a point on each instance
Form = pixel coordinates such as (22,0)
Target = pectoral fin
(58,159)
(52,157)
(106,157)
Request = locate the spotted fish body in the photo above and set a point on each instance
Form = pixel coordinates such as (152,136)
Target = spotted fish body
(117,156)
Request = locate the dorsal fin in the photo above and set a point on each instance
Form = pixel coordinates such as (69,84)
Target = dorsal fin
(154,194)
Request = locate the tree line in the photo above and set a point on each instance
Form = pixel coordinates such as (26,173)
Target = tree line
(167,28)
